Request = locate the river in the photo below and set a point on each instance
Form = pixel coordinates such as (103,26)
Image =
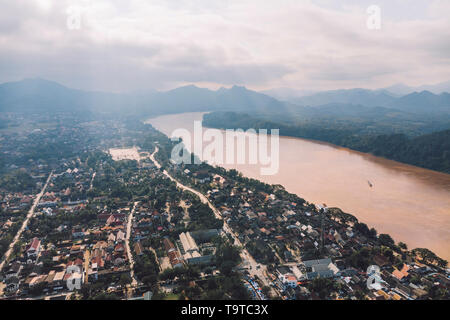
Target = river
(409,203)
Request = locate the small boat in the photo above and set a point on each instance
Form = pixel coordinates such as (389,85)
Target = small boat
(370,184)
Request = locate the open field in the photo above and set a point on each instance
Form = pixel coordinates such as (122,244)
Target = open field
(125,154)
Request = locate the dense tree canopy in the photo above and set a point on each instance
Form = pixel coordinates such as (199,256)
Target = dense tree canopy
(431,150)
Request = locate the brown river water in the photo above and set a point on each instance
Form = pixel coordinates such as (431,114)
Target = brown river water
(409,203)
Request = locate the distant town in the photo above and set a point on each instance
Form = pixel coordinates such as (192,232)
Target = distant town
(92,208)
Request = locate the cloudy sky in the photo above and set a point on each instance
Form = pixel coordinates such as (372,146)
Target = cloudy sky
(127,45)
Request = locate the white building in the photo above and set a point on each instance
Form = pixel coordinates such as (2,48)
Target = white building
(188,243)
(289,280)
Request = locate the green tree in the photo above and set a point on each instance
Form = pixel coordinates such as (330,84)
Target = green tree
(386,240)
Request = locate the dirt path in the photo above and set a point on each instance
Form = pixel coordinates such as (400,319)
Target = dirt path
(25,223)
(127,243)
(87,256)
(92,181)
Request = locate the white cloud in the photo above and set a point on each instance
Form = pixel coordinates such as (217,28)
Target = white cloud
(44,5)
(317,44)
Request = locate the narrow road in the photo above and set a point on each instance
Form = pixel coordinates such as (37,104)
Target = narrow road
(25,223)
(127,243)
(92,181)
(87,256)
(186,216)
(261,272)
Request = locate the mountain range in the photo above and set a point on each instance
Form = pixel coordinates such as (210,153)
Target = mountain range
(401,89)
(396,90)
(39,95)
(416,102)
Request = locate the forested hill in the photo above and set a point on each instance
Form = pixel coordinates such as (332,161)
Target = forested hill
(430,151)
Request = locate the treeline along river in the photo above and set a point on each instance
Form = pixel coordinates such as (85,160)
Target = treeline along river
(409,203)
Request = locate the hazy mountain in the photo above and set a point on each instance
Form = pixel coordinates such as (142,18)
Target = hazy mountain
(287,94)
(401,89)
(424,102)
(349,111)
(31,94)
(39,95)
(185,99)
(397,90)
(192,98)
(237,97)
(349,96)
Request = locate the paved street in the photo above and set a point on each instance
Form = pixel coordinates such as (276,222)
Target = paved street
(261,272)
